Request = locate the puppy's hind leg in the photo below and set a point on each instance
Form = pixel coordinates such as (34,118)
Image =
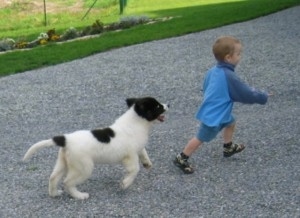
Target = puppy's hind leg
(57,173)
(78,172)
(144,158)
(132,166)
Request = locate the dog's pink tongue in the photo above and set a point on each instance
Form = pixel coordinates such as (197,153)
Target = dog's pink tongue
(161,118)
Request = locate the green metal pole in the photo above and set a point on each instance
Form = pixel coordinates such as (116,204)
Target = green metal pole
(121,6)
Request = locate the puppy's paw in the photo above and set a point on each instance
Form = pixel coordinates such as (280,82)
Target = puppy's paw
(56,193)
(81,196)
(147,165)
(125,183)
(124,186)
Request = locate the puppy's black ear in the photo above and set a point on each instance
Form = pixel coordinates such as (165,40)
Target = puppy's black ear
(130,101)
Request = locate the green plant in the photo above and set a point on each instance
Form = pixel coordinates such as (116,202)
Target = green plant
(32,168)
(131,21)
(7,44)
(96,28)
(70,33)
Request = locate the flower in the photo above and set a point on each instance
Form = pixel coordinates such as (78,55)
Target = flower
(43,36)
(52,36)
(43,41)
(21,44)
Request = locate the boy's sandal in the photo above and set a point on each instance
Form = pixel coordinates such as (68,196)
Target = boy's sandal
(186,167)
(235,148)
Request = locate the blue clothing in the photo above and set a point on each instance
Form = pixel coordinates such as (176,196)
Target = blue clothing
(207,133)
(221,88)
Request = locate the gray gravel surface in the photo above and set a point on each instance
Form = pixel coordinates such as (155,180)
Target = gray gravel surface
(263,181)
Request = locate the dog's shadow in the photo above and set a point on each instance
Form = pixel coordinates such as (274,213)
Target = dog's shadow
(106,179)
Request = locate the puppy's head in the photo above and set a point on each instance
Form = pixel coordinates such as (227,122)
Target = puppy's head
(148,108)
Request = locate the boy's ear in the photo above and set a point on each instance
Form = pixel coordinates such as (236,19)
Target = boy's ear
(130,101)
(227,57)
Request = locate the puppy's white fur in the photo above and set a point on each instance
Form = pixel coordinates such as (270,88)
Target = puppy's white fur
(82,150)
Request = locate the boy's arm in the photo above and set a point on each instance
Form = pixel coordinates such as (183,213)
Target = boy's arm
(241,92)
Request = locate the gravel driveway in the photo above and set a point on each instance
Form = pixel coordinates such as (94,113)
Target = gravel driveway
(263,181)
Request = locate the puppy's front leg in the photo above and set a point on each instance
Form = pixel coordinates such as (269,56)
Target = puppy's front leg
(132,166)
(145,159)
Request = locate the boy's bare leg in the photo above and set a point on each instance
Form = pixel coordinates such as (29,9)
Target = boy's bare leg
(192,146)
(229,147)
(181,159)
(228,133)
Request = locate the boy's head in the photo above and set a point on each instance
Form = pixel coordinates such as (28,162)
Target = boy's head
(228,49)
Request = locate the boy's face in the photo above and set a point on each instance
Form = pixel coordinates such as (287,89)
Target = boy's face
(235,57)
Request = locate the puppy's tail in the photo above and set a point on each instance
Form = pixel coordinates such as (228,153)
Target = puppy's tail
(59,141)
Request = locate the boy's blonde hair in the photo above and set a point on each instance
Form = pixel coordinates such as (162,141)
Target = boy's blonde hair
(223,46)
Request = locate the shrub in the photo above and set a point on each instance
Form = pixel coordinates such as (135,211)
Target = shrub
(7,44)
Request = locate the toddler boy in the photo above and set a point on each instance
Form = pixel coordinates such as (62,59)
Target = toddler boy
(222,87)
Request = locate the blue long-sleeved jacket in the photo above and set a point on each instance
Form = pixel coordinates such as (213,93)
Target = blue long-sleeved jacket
(221,88)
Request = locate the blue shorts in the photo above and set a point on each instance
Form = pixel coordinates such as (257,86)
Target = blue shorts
(208,133)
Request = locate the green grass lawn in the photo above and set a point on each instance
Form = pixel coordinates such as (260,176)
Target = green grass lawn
(188,17)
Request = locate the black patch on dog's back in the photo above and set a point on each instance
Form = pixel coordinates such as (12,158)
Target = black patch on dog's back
(103,135)
(60,140)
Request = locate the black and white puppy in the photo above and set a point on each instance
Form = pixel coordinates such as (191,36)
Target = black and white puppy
(123,142)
